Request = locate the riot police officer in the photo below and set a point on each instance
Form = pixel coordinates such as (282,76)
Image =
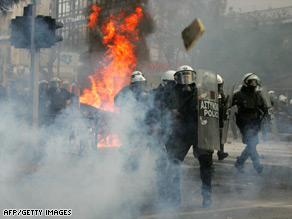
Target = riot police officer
(131,103)
(43,101)
(158,127)
(58,97)
(251,109)
(164,88)
(221,101)
(127,88)
(182,104)
(66,85)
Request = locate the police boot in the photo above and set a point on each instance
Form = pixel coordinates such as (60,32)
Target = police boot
(222,155)
(259,168)
(206,199)
(239,165)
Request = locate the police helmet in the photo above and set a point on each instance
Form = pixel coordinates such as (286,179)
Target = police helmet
(282,98)
(167,76)
(138,79)
(185,75)
(219,80)
(249,77)
(43,84)
(66,85)
(139,82)
(55,82)
(136,73)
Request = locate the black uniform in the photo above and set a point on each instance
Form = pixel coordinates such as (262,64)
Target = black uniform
(183,136)
(132,104)
(58,99)
(251,108)
(156,119)
(43,107)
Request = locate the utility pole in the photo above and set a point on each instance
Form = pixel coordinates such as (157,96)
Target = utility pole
(34,70)
(59,46)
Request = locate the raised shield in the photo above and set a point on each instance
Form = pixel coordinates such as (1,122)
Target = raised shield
(208,110)
(227,113)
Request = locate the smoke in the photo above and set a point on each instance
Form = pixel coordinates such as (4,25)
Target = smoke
(46,169)
(232,45)
(96,48)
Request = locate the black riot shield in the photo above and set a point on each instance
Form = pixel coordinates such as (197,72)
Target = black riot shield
(264,92)
(208,109)
(226,113)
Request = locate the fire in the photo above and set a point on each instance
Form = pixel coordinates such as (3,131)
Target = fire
(120,32)
(108,141)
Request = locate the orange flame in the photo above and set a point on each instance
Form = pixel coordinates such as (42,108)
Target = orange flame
(93,16)
(120,31)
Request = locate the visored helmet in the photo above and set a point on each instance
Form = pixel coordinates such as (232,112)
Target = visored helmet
(136,73)
(185,75)
(167,77)
(219,80)
(250,77)
(66,85)
(283,98)
(139,82)
(138,79)
(55,82)
(272,94)
(43,85)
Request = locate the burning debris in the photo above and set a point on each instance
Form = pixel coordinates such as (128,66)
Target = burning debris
(120,32)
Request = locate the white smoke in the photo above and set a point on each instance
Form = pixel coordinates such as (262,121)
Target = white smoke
(94,184)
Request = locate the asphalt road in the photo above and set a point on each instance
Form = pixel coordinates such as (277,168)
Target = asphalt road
(97,186)
(237,195)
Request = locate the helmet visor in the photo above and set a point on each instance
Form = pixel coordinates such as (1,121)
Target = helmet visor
(185,77)
(166,83)
(139,85)
(55,84)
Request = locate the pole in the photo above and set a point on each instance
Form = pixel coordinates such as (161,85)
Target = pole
(34,70)
(34,78)
(59,46)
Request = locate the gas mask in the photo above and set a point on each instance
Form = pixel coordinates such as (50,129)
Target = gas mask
(252,85)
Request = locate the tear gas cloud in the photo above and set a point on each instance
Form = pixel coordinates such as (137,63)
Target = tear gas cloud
(98,183)
(101,183)
(232,45)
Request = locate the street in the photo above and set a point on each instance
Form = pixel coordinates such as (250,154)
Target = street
(236,195)
(97,185)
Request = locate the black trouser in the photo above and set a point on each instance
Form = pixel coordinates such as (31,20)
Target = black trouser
(221,145)
(177,148)
(249,130)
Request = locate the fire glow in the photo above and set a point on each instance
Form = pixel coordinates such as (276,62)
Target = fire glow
(120,31)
